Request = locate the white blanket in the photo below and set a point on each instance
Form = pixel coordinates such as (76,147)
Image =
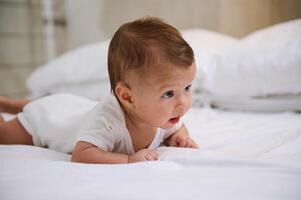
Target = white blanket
(241,156)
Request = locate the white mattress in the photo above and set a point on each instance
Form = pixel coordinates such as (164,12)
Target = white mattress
(241,156)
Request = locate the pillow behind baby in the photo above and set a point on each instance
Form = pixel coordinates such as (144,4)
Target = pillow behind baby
(83,71)
(205,44)
(264,65)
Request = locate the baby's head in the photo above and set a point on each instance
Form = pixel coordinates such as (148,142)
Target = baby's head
(149,65)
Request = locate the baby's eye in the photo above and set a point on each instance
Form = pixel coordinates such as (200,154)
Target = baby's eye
(168,95)
(188,88)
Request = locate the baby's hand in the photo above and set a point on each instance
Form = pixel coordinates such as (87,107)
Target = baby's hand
(143,155)
(181,139)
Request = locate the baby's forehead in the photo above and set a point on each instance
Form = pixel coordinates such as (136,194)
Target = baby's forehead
(166,73)
(160,72)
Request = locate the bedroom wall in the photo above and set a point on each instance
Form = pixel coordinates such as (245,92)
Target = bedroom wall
(233,17)
(77,22)
(23,42)
(20,44)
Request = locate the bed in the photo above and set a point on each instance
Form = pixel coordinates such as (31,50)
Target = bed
(248,128)
(241,156)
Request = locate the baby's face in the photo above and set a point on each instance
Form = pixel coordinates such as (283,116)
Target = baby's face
(161,98)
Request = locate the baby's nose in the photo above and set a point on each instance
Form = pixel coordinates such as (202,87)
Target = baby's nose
(180,109)
(182,105)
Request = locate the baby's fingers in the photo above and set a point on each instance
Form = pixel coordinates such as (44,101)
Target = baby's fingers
(181,142)
(177,142)
(155,154)
(152,155)
(192,144)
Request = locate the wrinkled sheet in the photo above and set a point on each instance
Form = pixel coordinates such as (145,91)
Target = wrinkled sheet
(241,156)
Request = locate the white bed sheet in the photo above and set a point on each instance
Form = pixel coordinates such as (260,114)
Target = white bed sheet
(241,156)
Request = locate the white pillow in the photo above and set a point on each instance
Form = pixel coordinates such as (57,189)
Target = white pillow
(84,71)
(206,43)
(97,90)
(266,104)
(264,63)
(86,65)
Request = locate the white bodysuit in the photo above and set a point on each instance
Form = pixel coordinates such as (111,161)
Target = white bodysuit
(60,120)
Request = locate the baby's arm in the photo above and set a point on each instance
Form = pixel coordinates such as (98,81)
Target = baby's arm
(181,138)
(86,152)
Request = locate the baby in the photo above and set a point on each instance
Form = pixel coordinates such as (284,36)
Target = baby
(151,69)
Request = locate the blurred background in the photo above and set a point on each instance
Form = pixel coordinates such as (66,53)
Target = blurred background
(32,32)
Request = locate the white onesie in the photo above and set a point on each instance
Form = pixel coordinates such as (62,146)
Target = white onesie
(60,120)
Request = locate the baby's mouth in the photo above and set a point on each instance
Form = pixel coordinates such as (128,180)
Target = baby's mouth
(174,120)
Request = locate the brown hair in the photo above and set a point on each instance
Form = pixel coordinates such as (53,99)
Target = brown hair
(142,43)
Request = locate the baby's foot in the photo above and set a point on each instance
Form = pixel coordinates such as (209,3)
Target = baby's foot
(12,106)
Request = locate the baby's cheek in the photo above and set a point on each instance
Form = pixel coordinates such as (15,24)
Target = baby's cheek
(189,104)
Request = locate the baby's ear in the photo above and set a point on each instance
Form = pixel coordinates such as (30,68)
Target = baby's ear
(124,94)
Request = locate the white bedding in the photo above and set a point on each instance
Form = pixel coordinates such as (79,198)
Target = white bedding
(241,156)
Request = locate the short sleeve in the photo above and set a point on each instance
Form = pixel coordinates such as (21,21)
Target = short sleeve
(169,132)
(98,131)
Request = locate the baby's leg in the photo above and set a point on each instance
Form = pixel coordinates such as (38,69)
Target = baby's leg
(1,119)
(12,106)
(12,132)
